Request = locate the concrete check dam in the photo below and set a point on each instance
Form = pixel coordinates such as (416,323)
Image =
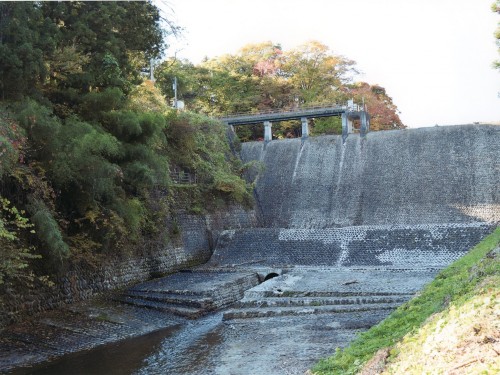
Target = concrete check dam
(346,231)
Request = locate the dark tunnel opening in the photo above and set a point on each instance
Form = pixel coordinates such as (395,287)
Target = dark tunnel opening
(270,276)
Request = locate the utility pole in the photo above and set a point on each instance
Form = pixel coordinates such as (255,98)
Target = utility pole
(175,92)
(151,70)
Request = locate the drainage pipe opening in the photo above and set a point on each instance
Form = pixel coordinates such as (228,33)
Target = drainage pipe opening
(270,276)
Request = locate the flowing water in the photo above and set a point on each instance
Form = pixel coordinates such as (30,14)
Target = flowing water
(175,350)
(126,357)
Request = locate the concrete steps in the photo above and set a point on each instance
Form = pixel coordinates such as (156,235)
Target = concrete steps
(191,294)
(319,301)
(266,312)
(256,294)
(271,303)
(176,309)
(308,292)
(191,300)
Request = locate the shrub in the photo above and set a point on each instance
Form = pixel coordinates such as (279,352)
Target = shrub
(48,232)
(14,254)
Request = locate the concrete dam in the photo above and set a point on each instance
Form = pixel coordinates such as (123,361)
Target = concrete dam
(420,176)
(351,231)
(345,233)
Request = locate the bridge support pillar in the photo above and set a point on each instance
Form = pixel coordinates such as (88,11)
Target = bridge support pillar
(268,134)
(305,128)
(365,123)
(345,126)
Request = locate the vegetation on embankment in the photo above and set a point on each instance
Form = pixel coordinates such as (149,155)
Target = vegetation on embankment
(471,283)
(265,77)
(87,144)
(74,191)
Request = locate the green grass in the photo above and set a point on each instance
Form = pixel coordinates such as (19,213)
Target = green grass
(455,284)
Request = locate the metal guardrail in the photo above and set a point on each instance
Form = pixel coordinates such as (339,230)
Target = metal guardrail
(277,111)
(180,176)
(316,106)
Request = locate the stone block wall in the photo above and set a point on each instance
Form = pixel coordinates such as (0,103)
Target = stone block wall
(194,245)
(234,291)
(396,246)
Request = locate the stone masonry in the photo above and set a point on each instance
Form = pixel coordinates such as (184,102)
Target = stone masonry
(396,246)
(194,245)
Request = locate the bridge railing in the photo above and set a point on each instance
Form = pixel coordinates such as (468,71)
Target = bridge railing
(315,106)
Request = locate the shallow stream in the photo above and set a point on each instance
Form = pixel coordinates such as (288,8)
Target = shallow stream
(174,350)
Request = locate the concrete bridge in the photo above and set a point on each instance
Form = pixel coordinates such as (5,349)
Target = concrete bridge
(349,113)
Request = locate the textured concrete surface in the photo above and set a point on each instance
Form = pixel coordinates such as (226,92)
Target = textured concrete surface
(415,176)
(191,294)
(395,246)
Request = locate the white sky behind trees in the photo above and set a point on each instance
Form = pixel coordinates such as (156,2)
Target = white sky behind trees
(434,57)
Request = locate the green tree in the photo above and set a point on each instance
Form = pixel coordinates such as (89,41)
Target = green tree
(89,146)
(199,144)
(101,29)
(12,142)
(15,254)
(26,38)
(262,77)
(316,73)
(193,83)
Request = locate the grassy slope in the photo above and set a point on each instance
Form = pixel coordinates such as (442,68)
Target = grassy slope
(470,281)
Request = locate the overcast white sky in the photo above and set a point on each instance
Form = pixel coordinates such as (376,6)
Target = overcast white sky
(434,57)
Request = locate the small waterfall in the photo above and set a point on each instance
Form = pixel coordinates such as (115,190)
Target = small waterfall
(297,161)
(341,165)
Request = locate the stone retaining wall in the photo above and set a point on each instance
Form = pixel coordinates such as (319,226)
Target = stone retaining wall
(193,245)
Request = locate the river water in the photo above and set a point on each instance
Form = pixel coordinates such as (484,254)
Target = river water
(174,350)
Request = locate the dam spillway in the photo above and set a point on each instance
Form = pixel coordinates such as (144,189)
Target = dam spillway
(419,176)
(346,233)
(351,230)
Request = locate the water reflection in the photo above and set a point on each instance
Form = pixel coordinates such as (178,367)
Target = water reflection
(182,349)
(189,351)
(125,357)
